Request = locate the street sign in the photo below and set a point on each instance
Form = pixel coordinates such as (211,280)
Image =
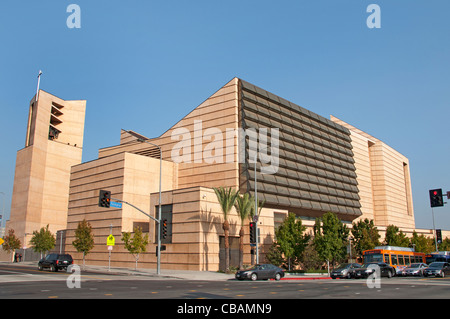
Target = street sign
(115,204)
(110,241)
(1,241)
(110,248)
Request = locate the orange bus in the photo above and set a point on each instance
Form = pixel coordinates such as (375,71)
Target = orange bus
(397,257)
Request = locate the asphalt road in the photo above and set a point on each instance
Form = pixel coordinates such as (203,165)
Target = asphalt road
(29,283)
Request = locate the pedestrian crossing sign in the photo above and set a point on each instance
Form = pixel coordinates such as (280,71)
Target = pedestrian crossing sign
(110,241)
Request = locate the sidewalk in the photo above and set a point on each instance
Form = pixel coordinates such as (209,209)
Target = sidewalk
(171,274)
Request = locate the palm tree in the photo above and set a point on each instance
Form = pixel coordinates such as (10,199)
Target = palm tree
(244,206)
(226,198)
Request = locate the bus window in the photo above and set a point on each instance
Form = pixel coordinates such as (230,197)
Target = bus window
(394,259)
(386,259)
(373,258)
(407,262)
(401,260)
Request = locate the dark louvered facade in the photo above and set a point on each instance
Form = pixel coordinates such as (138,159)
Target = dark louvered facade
(316,171)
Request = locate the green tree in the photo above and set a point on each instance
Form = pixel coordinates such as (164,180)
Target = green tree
(365,236)
(445,245)
(244,205)
(275,256)
(135,244)
(395,237)
(310,257)
(43,240)
(290,239)
(11,242)
(330,238)
(227,198)
(421,243)
(84,239)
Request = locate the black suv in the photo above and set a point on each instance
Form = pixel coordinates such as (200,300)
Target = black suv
(55,262)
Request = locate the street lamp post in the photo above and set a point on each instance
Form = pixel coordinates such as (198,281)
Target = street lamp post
(434,228)
(3,209)
(256,214)
(158,250)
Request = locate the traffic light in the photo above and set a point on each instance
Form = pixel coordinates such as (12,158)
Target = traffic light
(164,228)
(436,198)
(439,236)
(252,233)
(104,199)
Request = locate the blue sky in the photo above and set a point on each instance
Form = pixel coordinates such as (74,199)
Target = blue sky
(143,65)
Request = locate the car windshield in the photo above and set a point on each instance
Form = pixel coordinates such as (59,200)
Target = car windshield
(343,266)
(414,266)
(367,265)
(436,265)
(257,267)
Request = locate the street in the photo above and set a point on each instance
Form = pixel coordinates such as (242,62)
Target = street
(23,282)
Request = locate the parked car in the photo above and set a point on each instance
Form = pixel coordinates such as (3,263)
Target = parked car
(264,271)
(367,269)
(55,262)
(344,270)
(415,269)
(436,269)
(399,270)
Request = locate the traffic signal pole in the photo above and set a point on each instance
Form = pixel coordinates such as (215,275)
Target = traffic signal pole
(158,249)
(256,213)
(157,220)
(434,228)
(436,200)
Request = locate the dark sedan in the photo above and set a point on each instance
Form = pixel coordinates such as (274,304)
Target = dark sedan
(265,271)
(368,269)
(437,269)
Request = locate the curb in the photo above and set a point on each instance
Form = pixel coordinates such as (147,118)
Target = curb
(305,278)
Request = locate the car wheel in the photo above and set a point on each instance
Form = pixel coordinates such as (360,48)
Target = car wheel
(254,277)
(442,274)
(40,267)
(277,276)
(53,268)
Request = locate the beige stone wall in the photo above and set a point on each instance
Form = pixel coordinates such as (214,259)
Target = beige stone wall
(384,180)
(41,182)
(129,177)
(197,226)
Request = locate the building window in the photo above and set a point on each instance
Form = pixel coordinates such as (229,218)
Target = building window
(142,225)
